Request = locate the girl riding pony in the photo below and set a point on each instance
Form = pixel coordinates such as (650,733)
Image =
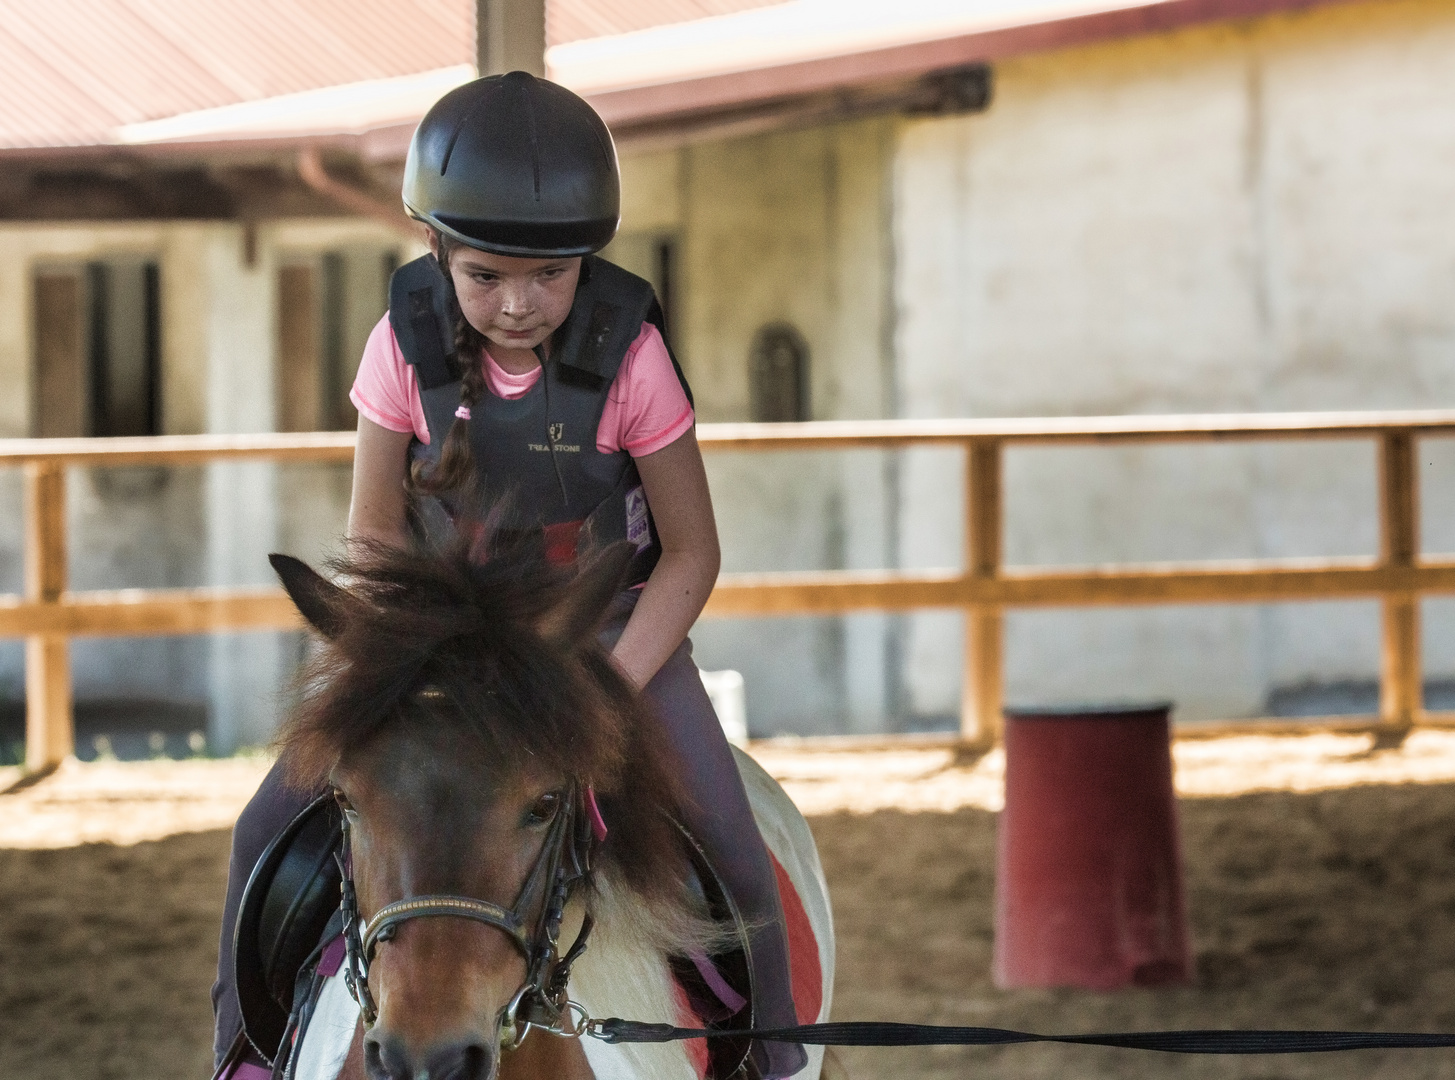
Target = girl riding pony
(515,361)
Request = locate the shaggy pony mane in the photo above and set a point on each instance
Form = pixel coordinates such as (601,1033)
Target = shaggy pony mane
(483,632)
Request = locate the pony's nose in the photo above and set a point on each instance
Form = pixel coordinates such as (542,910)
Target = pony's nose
(388,1057)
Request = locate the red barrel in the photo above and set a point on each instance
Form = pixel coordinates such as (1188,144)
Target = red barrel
(1088,888)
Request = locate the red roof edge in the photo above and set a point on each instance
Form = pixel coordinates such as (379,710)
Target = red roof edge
(654,104)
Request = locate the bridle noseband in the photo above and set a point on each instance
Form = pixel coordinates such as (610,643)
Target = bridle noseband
(541,1001)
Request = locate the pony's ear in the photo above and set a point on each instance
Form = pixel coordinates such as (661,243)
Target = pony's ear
(320,601)
(580,611)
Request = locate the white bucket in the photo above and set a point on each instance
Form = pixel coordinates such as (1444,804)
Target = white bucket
(725,688)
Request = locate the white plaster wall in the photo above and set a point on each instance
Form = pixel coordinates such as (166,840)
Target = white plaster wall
(1250,217)
(1358,185)
(651,191)
(1358,179)
(784,227)
(256,508)
(241,497)
(186,299)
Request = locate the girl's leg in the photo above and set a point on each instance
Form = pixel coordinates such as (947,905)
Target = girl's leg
(722,821)
(271,809)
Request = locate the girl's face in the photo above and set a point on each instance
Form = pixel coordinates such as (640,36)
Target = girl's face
(515,303)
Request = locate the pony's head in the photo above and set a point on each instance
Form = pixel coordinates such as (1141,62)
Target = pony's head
(457,698)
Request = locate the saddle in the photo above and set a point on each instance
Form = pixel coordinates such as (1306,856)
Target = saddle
(290,914)
(289,911)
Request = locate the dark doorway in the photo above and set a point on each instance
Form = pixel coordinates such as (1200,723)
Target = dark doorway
(328,302)
(124,345)
(778,375)
(98,349)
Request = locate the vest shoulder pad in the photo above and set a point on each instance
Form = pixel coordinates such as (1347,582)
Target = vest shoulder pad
(423,312)
(611,305)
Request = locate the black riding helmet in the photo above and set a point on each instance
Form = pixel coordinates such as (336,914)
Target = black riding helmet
(515,165)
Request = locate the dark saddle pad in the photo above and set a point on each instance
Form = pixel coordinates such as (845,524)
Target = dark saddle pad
(290,898)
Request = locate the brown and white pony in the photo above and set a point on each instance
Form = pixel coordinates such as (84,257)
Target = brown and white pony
(456,698)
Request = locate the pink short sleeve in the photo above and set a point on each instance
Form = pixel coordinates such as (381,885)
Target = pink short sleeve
(384,390)
(646,407)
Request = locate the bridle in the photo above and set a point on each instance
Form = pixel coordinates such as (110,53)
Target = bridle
(542,1000)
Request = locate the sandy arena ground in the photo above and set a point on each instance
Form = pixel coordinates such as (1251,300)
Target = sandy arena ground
(1321,882)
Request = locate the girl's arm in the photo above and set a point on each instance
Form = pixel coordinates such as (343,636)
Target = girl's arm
(676,488)
(376,508)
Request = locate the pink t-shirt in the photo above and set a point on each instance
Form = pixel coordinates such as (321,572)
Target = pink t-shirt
(646,408)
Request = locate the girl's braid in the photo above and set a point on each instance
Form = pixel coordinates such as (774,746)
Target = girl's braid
(455,470)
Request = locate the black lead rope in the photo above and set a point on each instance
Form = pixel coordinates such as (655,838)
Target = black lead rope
(875,1033)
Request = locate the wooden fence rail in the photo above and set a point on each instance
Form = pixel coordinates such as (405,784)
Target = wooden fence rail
(48,615)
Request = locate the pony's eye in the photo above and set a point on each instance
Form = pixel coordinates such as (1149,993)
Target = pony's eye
(344,804)
(544,809)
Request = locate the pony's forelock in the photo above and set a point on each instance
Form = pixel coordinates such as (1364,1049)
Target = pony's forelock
(456,634)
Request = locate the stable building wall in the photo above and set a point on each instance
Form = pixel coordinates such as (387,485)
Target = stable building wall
(1248,216)
(788,230)
(223,304)
(1251,216)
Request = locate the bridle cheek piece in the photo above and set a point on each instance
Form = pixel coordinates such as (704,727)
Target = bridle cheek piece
(542,1000)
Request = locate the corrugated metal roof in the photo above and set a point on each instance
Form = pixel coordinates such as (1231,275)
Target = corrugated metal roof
(374,118)
(73,71)
(97,72)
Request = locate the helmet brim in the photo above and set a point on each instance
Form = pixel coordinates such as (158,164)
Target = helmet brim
(524,239)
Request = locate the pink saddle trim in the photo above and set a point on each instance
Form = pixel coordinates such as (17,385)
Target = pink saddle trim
(246,1070)
(730,998)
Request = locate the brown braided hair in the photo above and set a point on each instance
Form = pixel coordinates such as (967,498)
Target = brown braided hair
(455,470)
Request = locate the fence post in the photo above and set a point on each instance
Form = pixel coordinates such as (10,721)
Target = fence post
(982,690)
(1401,695)
(49,730)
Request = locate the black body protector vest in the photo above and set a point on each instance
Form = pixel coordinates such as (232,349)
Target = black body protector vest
(540,449)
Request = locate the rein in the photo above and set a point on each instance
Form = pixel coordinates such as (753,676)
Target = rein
(879,1033)
(541,1001)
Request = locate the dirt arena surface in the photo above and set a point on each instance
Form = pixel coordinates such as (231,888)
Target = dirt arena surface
(1321,883)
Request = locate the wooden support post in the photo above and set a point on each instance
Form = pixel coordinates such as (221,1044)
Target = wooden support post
(1401,696)
(49,729)
(982,691)
(510,35)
